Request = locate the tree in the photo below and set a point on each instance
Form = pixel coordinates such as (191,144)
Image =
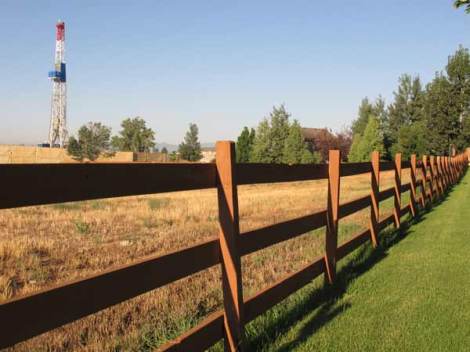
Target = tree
(244,146)
(93,140)
(134,136)
(261,152)
(371,140)
(412,139)
(295,149)
(448,103)
(406,109)
(164,150)
(279,132)
(271,136)
(190,148)
(463,3)
(365,110)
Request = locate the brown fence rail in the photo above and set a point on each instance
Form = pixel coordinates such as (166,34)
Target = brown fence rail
(25,317)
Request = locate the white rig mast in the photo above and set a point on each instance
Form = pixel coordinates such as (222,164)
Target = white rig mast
(58,124)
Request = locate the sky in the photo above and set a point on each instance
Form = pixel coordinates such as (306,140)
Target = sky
(220,64)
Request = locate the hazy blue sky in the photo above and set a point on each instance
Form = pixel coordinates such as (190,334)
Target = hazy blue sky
(221,64)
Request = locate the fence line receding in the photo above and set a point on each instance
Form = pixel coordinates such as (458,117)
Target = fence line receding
(23,185)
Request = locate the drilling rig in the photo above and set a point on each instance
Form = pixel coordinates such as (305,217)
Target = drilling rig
(58,124)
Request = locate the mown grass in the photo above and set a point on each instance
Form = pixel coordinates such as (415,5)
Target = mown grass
(412,293)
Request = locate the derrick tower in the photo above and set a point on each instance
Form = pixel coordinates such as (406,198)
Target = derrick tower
(58,124)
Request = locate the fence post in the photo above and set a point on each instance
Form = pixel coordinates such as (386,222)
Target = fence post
(374,197)
(451,169)
(444,172)
(413,199)
(439,176)
(432,178)
(427,199)
(230,256)
(331,240)
(397,187)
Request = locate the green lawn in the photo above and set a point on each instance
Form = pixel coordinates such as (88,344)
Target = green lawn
(410,294)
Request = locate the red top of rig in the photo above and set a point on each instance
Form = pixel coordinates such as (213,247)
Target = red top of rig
(60,30)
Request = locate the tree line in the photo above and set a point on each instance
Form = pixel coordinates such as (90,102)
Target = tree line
(94,139)
(429,119)
(434,119)
(277,139)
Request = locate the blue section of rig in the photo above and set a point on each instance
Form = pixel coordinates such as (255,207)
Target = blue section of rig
(58,75)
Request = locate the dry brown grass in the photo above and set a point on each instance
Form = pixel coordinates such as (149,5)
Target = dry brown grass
(46,245)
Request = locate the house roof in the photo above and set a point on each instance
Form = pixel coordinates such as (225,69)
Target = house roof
(312,133)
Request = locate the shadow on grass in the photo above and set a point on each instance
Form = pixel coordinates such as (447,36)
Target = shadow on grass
(324,299)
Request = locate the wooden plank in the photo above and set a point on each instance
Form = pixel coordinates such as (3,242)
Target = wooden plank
(374,196)
(352,244)
(405,187)
(269,173)
(230,254)
(386,193)
(353,206)
(386,222)
(405,210)
(273,295)
(35,184)
(432,178)
(387,165)
(447,172)
(48,309)
(211,329)
(258,239)
(397,185)
(351,169)
(405,164)
(331,241)
(424,170)
(413,196)
(199,338)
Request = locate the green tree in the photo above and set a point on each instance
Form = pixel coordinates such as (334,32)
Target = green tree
(270,137)
(371,140)
(190,148)
(134,136)
(262,144)
(463,3)
(279,132)
(164,150)
(365,110)
(244,146)
(412,139)
(407,106)
(295,148)
(93,140)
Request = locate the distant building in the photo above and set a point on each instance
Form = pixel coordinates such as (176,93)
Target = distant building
(208,155)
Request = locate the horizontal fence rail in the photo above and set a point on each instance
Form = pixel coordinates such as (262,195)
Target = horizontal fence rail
(28,316)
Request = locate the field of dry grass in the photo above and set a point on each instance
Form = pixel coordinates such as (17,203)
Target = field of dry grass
(46,245)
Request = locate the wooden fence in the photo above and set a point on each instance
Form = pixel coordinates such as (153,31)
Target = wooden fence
(22,185)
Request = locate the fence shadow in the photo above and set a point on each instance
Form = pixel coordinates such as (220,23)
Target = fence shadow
(324,299)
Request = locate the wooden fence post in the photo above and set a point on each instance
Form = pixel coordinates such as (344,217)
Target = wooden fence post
(427,197)
(433,177)
(439,176)
(397,187)
(444,172)
(452,169)
(413,198)
(331,241)
(230,256)
(374,197)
